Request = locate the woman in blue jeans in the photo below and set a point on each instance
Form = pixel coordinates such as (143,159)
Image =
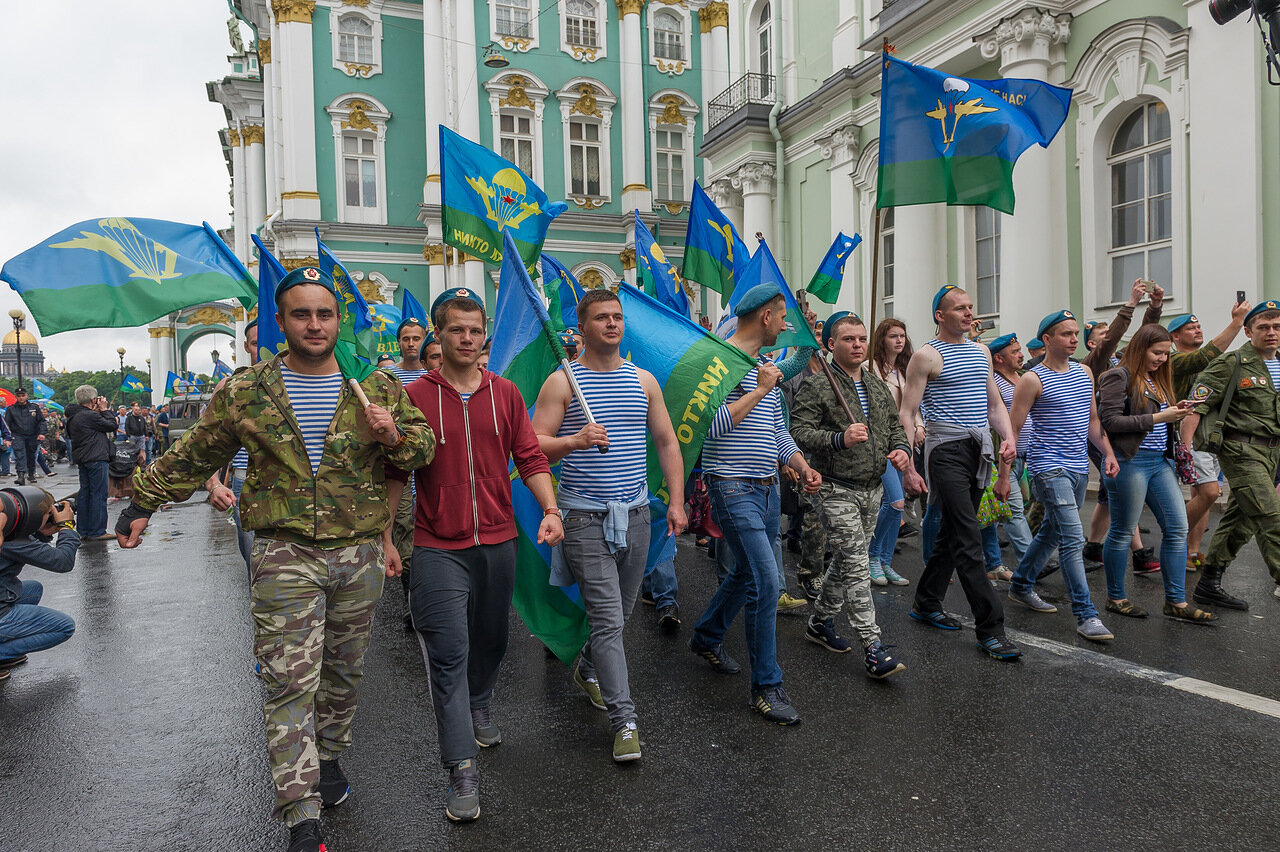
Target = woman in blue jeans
(892,350)
(1136,406)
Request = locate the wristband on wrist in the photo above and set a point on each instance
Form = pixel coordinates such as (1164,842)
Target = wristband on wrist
(554,510)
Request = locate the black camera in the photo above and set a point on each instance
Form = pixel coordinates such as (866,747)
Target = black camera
(24,508)
(62,504)
(1223,11)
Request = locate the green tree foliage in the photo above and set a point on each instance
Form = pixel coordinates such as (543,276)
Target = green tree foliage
(106,381)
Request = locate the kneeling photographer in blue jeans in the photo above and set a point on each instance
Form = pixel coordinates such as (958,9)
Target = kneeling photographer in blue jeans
(33,518)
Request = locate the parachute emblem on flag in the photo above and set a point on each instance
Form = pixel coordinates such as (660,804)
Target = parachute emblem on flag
(504,198)
(951,105)
(124,243)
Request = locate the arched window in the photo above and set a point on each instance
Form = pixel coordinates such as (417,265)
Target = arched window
(668,36)
(355,40)
(580,23)
(764,39)
(359,125)
(1141,166)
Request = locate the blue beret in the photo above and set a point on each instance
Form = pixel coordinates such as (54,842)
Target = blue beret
(1090,326)
(250,324)
(756,298)
(1001,342)
(942,291)
(1053,319)
(456,293)
(1179,322)
(567,339)
(305,275)
(571,330)
(426,341)
(422,324)
(1035,344)
(831,323)
(1261,307)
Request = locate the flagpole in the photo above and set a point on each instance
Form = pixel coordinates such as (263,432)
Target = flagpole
(875,278)
(568,374)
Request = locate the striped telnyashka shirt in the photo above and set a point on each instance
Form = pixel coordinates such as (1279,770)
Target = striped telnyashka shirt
(959,394)
(756,446)
(1061,438)
(314,400)
(618,403)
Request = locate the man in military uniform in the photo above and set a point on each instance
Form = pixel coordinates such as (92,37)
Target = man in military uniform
(316,498)
(1250,450)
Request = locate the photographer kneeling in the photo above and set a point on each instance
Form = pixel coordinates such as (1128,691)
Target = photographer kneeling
(26,627)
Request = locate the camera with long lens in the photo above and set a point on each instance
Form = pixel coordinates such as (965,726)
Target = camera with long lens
(25,508)
(1224,11)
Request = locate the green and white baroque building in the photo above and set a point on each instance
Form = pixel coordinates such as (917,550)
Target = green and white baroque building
(616,105)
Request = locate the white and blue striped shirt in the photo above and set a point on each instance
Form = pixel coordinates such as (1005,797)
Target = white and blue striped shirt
(1006,389)
(1061,438)
(1273,367)
(1158,438)
(619,404)
(756,446)
(959,394)
(240,459)
(863,401)
(406,377)
(314,400)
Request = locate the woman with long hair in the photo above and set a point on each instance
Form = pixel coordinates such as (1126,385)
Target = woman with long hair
(891,350)
(1137,408)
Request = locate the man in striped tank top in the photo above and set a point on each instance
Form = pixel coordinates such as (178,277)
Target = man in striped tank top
(605,499)
(951,380)
(747,441)
(1058,393)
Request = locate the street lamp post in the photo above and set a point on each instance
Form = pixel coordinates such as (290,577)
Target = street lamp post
(18,317)
(120,352)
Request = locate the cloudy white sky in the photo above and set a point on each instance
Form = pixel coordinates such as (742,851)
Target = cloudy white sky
(106,115)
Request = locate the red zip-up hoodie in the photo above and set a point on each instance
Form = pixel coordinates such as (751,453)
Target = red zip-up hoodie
(464,495)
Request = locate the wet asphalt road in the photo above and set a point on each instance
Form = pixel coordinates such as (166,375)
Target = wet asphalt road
(144,730)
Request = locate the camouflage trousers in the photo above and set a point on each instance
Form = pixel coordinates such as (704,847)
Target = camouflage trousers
(851,521)
(402,534)
(312,612)
(813,538)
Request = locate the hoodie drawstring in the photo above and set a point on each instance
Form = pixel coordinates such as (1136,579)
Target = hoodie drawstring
(494,406)
(440,411)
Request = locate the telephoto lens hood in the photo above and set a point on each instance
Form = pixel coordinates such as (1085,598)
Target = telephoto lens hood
(25,507)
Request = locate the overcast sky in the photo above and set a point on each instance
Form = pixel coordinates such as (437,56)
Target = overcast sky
(106,115)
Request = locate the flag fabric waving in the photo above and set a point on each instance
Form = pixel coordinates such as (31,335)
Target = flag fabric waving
(563,290)
(119,273)
(666,281)
(353,357)
(270,273)
(483,196)
(40,390)
(133,384)
(955,140)
(411,308)
(763,269)
(826,282)
(380,339)
(714,254)
(220,370)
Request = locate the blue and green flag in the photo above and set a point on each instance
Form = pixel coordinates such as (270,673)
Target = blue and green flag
(483,196)
(120,273)
(563,291)
(763,269)
(220,370)
(133,384)
(380,339)
(826,282)
(40,390)
(270,273)
(714,255)
(652,262)
(353,356)
(955,140)
(411,308)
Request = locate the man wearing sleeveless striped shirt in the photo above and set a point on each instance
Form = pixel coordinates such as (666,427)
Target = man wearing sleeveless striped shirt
(1058,393)
(747,441)
(950,379)
(604,497)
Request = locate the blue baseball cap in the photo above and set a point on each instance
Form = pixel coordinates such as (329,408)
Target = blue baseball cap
(942,291)
(1053,319)
(1001,342)
(1261,307)
(1178,322)
(831,323)
(455,293)
(756,298)
(1035,344)
(305,275)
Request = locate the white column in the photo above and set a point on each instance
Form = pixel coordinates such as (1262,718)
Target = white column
(1033,269)
(848,35)
(253,137)
(239,196)
(469,79)
(161,359)
(636,194)
(724,195)
(293,57)
(920,265)
(713,20)
(434,255)
(756,180)
(840,150)
(434,87)
(271,186)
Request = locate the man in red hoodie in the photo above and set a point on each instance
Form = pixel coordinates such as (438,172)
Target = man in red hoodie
(464,555)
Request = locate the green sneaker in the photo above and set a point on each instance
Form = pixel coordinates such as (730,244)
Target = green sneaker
(626,744)
(590,686)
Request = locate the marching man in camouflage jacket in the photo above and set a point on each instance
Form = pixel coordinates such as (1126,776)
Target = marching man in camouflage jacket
(316,497)
(850,457)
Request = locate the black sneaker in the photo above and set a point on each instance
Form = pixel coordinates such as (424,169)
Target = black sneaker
(879,662)
(774,704)
(823,632)
(12,662)
(487,733)
(4,674)
(462,803)
(306,837)
(669,619)
(646,598)
(937,618)
(1000,648)
(811,587)
(334,788)
(1092,551)
(720,661)
(1145,561)
(907,530)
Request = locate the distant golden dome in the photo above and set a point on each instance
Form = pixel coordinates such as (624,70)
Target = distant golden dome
(28,339)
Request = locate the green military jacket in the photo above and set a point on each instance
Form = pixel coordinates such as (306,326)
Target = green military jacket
(344,502)
(818,423)
(1187,365)
(1255,408)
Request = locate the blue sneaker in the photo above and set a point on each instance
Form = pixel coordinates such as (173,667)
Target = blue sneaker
(894,578)
(877,572)
(879,663)
(937,618)
(823,632)
(1000,648)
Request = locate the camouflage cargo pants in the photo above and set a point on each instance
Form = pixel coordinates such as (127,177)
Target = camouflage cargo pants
(851,521)
(312,611)
(813,538)
(402,534)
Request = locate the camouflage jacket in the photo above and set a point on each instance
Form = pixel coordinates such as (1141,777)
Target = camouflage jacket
(344,502)
(818,424)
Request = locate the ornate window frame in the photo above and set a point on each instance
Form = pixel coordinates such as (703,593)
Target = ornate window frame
(671,108)
(366,117)
(371,12)
(584,273)
(519,44)
(671,67)
(520,92)
(580,52)
(586,97)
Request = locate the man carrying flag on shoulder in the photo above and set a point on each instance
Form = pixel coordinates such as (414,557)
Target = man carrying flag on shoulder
(316,500)
(747,442)
(464,555)
(605,497)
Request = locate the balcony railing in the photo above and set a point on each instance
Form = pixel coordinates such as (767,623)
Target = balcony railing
(747,89)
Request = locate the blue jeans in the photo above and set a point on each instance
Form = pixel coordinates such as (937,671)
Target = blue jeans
(91,501)
(1061,492)
(725,562)
(885,538)
(27,628)
(1146,478)
(748,514)
(24,454)
(660,583)
(4,460)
